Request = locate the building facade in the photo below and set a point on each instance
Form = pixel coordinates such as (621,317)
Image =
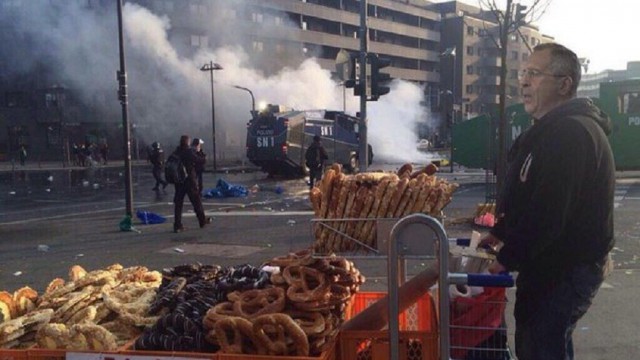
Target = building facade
(590,83)
(41,111)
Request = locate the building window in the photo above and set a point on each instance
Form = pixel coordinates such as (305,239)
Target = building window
(15,99)
(469,50)
(514,55)
(468,108)
(525,56)
(199,41)
(482,32)
(470,30)
(303,25)
(469,69)
(469,89)
(278,21)
(513,37)
(256,17)
(534,41)
(197,9)
(258,46)
(513,74)
(228,13)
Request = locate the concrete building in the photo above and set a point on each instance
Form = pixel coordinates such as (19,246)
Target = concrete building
(43,111)
(590,83)
(475,76)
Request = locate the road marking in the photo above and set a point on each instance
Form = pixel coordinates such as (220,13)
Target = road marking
(187,214)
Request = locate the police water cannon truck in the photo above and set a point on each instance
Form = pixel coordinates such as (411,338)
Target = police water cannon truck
(277,139)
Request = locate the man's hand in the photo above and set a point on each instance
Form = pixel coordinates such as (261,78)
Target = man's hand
(496,268)
(493,243)
(490,242)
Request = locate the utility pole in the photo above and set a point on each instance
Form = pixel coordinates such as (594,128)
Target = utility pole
(502,121)
(126,130)
(362,128)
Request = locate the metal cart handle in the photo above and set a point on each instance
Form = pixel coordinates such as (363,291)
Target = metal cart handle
(498,280)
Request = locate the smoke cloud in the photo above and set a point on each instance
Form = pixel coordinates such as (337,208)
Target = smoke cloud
(168,93)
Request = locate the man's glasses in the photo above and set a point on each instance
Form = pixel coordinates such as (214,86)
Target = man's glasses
(533,73)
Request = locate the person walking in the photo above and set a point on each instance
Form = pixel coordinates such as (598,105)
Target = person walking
(23,155)
(197,146)
(315,157)
(156,158)
(189,186)
(555,209)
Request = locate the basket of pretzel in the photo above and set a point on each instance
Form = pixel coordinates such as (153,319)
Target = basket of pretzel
(346,206)
(298,314)
(99,310)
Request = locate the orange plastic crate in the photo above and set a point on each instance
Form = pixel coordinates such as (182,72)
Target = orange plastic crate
(418,335)
(170,354)
(13,354)
(420,316)
(327,355)
(374,345)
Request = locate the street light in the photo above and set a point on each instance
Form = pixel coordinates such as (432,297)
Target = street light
(253,99)
(126,130)
(451,53)
(211,67)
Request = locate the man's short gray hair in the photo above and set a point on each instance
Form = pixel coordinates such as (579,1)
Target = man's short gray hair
(563,62)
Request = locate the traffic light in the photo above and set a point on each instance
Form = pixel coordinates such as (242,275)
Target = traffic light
(520,14)
(379,80)
(354,75)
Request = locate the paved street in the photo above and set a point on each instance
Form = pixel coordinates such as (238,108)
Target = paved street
(51,219)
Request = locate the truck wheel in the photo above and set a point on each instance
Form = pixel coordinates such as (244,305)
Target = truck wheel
(354,165)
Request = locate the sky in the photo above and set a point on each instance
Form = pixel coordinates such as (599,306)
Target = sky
(600,30)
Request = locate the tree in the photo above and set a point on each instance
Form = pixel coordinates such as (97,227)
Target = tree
(508,22)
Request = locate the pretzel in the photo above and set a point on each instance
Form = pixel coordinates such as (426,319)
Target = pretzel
(54,284)
(217,313)
(8,308)
(297,258)
(405,170)
(97,337)
(312,323)
(16,328)
(305,284)
(272,332)
(235,335)
(76,272)
(53,336)
(25,300)
(252,303)
(397,196)
(315,196)
(86,314)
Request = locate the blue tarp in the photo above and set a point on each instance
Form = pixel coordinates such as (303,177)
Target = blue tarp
(224,189)
(147,217)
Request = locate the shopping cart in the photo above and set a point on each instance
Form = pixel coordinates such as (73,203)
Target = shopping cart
(470,328)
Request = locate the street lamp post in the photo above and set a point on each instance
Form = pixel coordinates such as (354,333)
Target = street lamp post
(451,53)
(253,99)
(211,67)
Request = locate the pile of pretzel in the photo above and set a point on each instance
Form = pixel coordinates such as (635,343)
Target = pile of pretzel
(372,196)
(299,314)
(186,294)
(98,310)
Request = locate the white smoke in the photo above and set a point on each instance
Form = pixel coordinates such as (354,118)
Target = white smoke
(169,95)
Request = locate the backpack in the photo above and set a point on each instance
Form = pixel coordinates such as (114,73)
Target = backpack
(312,156)
(174,171)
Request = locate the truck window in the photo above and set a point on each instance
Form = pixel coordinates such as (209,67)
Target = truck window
(629,103)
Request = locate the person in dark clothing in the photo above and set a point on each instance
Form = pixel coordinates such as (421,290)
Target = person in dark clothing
(197,146)
(189,187)
(315,157)
(555,210)
(156,158)
(23,155)
(104,152)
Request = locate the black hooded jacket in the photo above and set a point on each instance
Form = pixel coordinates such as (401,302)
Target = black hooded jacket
(556,209)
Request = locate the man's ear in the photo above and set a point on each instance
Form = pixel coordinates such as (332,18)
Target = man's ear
(566,83)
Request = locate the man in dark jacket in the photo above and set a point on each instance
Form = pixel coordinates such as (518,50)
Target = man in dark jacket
(197,147)
(189,187)
(156,158)
(555,211)
(315,157)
